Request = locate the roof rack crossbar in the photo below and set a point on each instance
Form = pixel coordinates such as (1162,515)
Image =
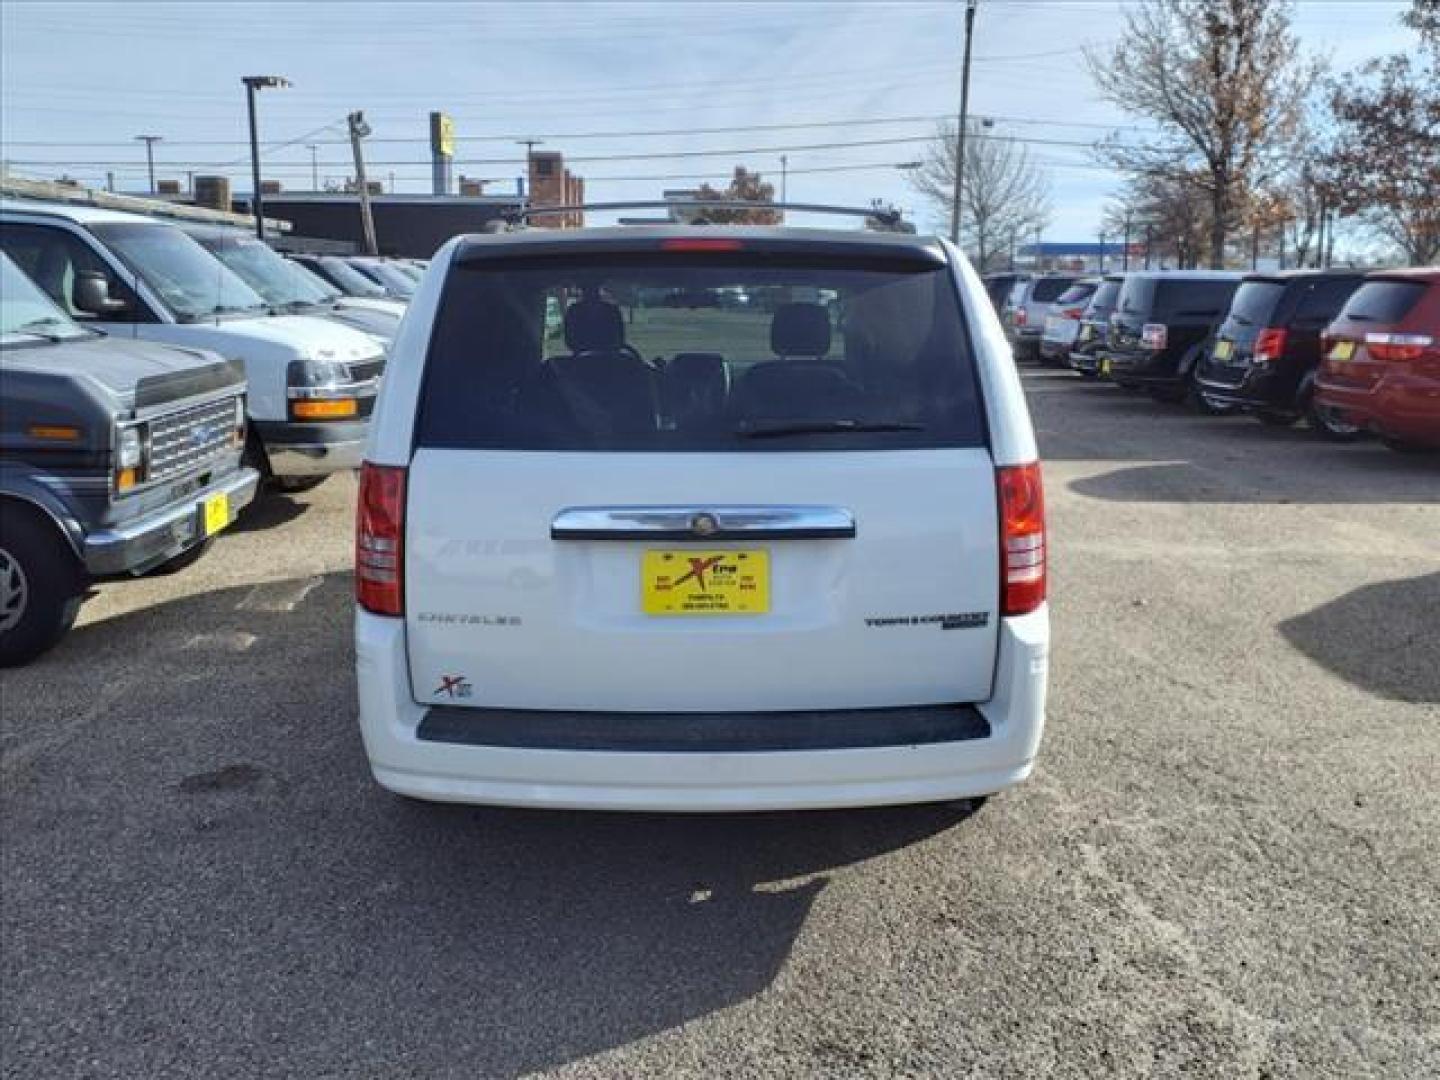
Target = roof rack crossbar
(884,217)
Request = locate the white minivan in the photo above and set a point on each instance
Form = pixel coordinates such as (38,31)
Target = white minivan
(312,382)
(678,554)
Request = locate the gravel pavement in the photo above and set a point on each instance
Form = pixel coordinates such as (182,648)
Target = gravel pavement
(1226,865)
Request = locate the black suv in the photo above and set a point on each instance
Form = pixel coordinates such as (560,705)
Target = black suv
(1160,326)
(1095,326)
(1267,350)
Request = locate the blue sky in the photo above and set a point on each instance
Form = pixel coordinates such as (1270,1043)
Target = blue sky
(585,78)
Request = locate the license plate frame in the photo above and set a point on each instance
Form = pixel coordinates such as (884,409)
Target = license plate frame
(690,582)
(214,513)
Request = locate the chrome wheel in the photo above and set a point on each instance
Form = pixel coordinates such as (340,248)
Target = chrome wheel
(14,591)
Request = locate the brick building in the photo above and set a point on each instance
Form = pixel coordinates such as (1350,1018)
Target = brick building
(552,184)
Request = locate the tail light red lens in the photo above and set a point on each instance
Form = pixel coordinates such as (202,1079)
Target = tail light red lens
(1270,343)
(1022,538)
(1021,316)
(380,540)
(1154,335)
(1071,312)
(1390,347)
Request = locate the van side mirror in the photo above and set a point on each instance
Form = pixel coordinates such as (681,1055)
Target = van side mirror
(92,296)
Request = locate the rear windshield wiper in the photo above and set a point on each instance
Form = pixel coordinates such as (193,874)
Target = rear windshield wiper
(770,429)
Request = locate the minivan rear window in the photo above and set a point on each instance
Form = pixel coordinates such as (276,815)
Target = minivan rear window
(1049,289)
(1076,293)
(1383,301)
(690,352)
(1255,302)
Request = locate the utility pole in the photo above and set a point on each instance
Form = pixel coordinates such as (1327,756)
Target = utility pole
(1255,246)
(1320,235)
(784,178)
(110,181)
(314,166)
(358,130)
(1147,246)
(150,141)
(254,83)
(1102,251)
(1125,251)
(957,199)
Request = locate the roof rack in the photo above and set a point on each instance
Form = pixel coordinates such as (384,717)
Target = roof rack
(882,219)
(48,190)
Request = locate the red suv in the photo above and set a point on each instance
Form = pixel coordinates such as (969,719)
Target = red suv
(1382,359)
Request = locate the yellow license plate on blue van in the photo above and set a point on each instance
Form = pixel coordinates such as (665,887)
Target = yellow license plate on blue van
(687,581)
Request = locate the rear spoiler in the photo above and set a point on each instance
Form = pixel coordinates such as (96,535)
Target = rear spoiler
(878,218)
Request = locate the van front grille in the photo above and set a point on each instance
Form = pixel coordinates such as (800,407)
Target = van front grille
(188,439)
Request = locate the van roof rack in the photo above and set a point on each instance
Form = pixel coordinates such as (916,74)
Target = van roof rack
(880,218)
(18,187)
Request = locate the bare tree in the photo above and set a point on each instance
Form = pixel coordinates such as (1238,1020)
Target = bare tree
(1171,210)
(1224,82)
(1005,194)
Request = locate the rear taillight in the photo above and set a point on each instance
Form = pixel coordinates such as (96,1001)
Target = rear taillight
(1022,538)
(1021,316)
(1398,346)
(1071,312)
(1153,335)
(380,540)
(1270,343)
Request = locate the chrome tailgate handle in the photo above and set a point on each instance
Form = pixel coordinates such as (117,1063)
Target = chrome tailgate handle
(702,523)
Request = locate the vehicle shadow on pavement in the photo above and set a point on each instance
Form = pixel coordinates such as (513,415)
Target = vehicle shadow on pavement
(201,877)
(270,510)
(1380,637)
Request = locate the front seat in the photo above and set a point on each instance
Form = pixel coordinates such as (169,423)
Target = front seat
(606,384)
(801,385)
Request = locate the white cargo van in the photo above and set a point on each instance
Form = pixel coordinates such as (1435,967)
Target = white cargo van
(312,382)
(702,556)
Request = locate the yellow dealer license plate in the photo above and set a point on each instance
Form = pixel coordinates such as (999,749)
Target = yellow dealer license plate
(691,582)
(1104,365)
(1223,349)
(216,513)
(1342,350)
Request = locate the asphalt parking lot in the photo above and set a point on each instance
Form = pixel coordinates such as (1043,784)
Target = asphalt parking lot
(1225,865)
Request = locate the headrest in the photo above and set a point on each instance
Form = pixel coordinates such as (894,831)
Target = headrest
(800,330)
(593,324)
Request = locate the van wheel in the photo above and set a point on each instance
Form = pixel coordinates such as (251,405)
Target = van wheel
(40,588)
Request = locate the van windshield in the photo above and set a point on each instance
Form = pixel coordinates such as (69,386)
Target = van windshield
(664,352)
(191,282)
(267,272)
(25,311)
(348,278)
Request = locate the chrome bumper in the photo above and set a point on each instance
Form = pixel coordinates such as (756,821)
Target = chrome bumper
(145,543)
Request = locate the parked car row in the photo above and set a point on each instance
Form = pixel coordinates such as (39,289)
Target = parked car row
(152,373)
(1347,351)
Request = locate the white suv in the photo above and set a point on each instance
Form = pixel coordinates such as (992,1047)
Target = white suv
(685,553)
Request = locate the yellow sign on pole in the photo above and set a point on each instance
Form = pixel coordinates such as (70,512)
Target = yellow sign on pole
(442,134)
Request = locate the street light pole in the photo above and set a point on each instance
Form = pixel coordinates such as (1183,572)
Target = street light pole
(149,141)
(257,199)
(314,166)
(964,119)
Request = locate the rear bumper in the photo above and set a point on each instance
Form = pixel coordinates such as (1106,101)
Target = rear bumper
(313,449)
(1403,406)
(1267,387)
(702,779)
(142,544)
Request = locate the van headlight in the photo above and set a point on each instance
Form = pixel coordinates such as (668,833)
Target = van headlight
(130,449)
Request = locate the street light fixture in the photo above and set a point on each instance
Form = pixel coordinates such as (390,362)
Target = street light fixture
(252,84)
(149,141)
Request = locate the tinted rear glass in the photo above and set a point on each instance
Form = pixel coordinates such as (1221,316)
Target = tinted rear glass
(1255,302)
(1075,293)
(1136,295)
(1104,298)
(1048,289)
(1383,301)
(1194,300)
(656,353)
